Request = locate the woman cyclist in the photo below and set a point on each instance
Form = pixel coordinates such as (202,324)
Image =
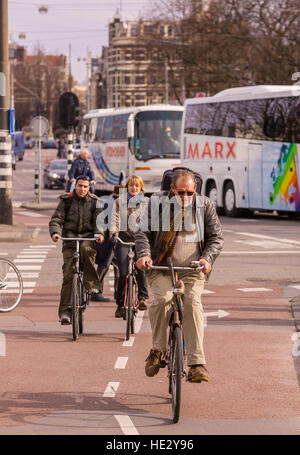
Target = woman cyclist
(125,218)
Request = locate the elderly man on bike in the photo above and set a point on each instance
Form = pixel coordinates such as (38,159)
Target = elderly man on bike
(76,216)
(183,225)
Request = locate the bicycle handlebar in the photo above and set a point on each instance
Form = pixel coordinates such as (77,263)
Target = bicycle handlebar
(77,238)
(197,267)
(115,237)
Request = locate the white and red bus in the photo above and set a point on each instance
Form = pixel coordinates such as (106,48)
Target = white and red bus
(140,140)
(245,142)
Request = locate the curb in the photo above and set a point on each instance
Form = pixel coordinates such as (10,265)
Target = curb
(295,307)
(39,206)
(15,233)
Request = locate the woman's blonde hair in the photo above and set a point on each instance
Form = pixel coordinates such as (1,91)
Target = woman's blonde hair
(136,179)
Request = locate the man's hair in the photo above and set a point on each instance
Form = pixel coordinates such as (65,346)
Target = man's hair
(183,173)
(82,177)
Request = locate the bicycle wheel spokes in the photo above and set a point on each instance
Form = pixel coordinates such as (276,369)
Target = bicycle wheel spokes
(176,373)
(128,307)
(75,306)
(11,286)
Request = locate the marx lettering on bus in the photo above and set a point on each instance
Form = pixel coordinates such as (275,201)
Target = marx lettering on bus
(218,151)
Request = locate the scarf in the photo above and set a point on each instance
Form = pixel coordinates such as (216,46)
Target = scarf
(179,220)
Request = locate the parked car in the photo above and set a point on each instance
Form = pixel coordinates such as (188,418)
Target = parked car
(55,174)
(49,143)
(29,144)
(18,144)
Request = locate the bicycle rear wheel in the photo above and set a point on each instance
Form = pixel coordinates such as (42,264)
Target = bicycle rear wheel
(175,372)
(75,302)
(11,286)
(133,305)
(129,307)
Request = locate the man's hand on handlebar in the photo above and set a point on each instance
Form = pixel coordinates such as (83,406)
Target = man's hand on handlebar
(141,263)
(206,265)
(99,238)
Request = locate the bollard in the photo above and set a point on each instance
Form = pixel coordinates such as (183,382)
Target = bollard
(36,182)
(5,178)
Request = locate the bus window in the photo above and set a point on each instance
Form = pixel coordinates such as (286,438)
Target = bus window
(158,134)
(92,129)
(119,127)
(99,129)
(107,133)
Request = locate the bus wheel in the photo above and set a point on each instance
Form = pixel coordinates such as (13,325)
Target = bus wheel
(229,200)
(212,192)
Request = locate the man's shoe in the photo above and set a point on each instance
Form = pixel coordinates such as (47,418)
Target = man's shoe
(65,319)
(198,373)
(93,291)
(142,305)
(119,312)
(155,361)
(99,298)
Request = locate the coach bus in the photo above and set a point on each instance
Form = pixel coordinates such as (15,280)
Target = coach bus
(245,142)
(138,140)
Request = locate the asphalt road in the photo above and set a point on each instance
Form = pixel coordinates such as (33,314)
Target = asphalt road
(97,385)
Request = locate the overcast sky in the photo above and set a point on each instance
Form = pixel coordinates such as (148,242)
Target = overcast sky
(81,24)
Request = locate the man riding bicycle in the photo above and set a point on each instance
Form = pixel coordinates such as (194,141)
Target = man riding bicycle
(185,227)
(75,216)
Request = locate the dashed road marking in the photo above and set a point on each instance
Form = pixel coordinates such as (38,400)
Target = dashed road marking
(121,362)
(253,289)
(2,345)
(126,425)
(128,343)
(111,389)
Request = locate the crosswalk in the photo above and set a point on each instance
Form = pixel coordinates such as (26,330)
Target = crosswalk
(29,262)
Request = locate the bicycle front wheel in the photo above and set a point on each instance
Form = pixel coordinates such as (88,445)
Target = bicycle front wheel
(75,302)
(176,369)
(11,286)
(129,307)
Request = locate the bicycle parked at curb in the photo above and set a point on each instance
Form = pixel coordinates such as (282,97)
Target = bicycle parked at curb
(11,285)
(130,308)
(80,296)
(175,355)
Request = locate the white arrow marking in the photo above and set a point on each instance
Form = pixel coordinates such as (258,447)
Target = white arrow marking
(219,314)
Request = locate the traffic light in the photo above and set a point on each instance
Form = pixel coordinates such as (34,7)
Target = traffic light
(68,110)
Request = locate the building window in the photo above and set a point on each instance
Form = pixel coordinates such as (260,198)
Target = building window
(135,29)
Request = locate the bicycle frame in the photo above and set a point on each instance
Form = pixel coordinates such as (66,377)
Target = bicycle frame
(175,350)
(83,302)
(129,307)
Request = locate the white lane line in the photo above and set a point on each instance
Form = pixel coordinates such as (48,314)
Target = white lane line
(296,286)
(139,321)
(129,342)
(29,267)
(121,362)
(36,232)
(42,246)
(26,284)
(2,344)
(253,289)
(111,389)
(16,291)
(31,256)
(3,254)
(28,260)
(206,291)
(276,239)
(33,214)
(24,275)
(234,253)
(126,425)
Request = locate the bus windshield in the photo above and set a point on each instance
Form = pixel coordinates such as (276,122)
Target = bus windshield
(157,135)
